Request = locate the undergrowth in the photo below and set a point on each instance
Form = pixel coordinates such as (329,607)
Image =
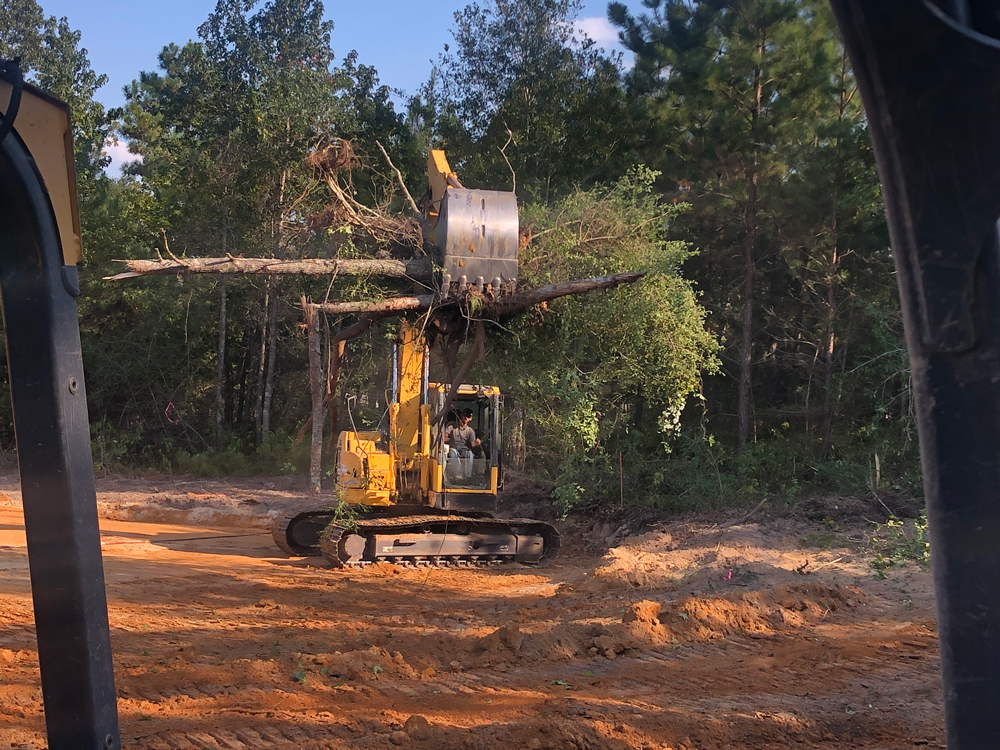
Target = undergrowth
(896,542)
(699,473)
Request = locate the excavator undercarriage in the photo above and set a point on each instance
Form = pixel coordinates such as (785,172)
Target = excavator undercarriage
(409,535)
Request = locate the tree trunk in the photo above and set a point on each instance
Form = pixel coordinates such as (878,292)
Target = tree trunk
(419,269)
(316,391)
(830,404)
(220,366)
(277,232)
(746,315)
(746,340)
(262,363)
(272,353)
(505,306)
(242,406)
(829,340)
(337,349)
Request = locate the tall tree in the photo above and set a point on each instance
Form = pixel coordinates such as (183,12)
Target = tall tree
(732,85)
(224,133)
(526,98)
(52,58)
(228,130)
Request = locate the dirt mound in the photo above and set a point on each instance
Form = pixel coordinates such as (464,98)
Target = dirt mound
(368,664)
(649,624)
(563,642)
(763,612)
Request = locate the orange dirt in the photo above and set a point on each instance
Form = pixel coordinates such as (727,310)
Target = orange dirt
(690,636)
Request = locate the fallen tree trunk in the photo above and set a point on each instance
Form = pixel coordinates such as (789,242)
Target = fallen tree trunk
(504,306)
(420,269)
(391,305)
(542,294)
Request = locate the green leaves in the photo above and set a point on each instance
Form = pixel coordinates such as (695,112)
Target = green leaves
(593,373)
(525,98)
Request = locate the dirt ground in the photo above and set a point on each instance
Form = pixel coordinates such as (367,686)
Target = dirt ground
(707,633)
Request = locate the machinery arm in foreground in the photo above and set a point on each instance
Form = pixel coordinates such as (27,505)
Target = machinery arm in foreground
(39,252)
(929,76)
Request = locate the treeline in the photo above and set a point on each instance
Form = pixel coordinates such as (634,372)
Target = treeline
(761,356)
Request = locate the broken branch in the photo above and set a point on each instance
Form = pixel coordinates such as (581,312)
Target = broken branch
(504,306)
(399,176)
(391,305)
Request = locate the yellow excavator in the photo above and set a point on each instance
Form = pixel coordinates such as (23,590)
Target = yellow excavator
(411,494)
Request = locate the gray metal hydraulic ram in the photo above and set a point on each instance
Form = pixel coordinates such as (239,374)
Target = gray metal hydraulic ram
(929,76)
(39,252)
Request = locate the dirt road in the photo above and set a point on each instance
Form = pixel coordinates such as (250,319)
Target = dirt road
(689,636)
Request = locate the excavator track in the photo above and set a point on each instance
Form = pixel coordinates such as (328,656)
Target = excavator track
(417,540)
(298,533)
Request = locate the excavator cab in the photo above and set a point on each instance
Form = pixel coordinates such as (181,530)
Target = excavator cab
(471,470)
(468,482)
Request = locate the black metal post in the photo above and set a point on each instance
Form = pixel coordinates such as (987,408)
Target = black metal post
(57,475)
(931,89)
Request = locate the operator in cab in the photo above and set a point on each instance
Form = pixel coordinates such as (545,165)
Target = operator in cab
(462,441)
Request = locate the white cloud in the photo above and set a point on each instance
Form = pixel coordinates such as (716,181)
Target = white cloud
(118,151)
(599,29)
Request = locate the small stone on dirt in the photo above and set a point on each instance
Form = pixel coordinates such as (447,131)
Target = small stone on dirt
(418,727)
(399,738)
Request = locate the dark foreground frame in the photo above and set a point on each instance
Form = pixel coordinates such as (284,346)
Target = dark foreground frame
(54,457)
(929,75)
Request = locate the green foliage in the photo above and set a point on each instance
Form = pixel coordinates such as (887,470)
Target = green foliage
(896,542)
(52,58)
(596,375)
(758,160)
(525,97)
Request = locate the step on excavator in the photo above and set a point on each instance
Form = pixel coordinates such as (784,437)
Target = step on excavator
(411,494)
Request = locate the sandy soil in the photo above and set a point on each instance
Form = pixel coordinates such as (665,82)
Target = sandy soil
(691,635)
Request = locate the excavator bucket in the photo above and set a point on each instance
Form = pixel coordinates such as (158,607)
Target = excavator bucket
(477,234)
(476,230)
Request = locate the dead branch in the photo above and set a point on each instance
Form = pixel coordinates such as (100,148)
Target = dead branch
(491,308)
(542,294)
(328,164)
(399,176)
(391,305)
(419,269)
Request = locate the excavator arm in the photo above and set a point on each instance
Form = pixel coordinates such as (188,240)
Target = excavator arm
(929,75)
(39,253)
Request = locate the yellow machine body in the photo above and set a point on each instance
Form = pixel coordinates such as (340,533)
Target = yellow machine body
(424,490)
(410,463)
(43,123)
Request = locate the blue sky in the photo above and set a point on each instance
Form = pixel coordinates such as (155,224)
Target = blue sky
(399,38)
